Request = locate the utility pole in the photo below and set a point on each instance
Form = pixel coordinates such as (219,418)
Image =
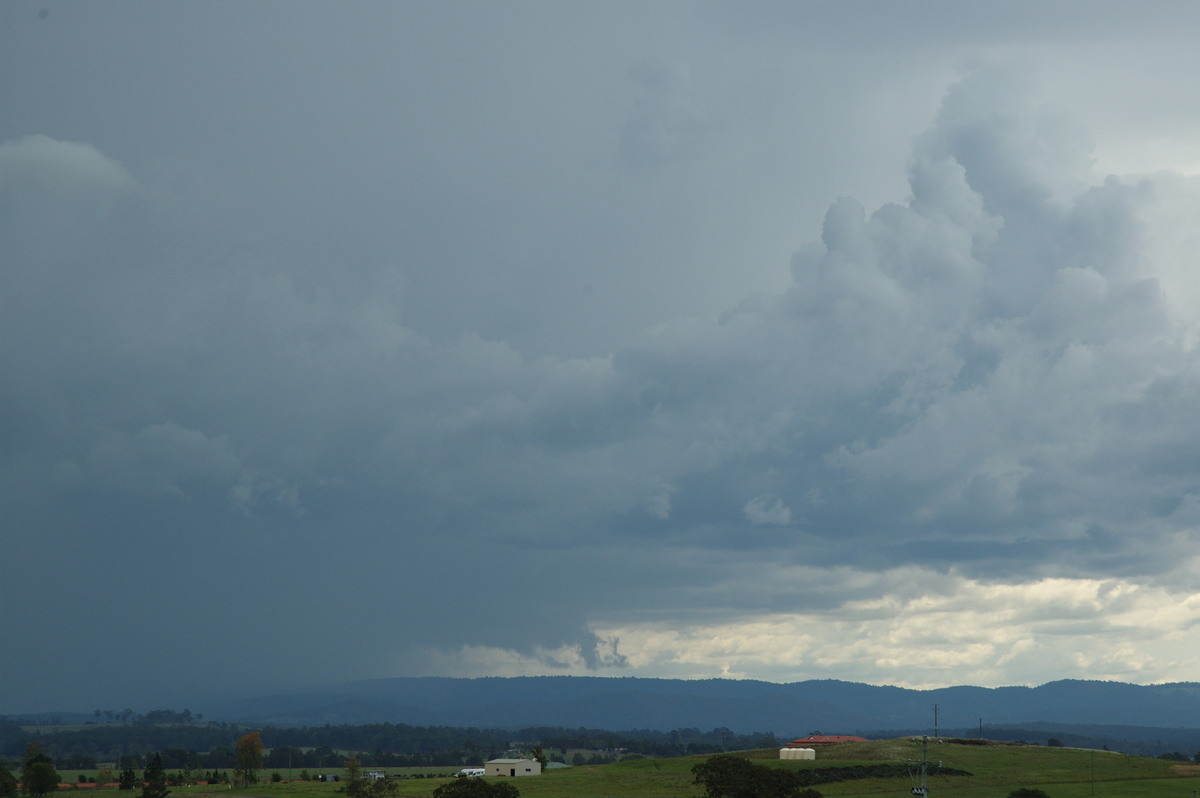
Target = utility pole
(935,720)
(922,770)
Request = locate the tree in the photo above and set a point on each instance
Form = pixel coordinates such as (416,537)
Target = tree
(727,776)
(128,777)
(38,775)
(249,759)
(8,783)
(154,779)
(352,775)
(476,787)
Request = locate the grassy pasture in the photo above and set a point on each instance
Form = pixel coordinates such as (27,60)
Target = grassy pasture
(996,770)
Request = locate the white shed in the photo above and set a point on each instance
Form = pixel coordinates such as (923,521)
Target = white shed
(513,767)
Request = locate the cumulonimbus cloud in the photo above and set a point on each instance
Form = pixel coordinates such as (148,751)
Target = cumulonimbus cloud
(990,381)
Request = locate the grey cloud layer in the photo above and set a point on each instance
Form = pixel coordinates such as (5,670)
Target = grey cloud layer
(235,441)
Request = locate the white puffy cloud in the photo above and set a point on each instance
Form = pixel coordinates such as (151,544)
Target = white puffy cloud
(927,629)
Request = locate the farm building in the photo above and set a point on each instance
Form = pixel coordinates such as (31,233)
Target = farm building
(797,753)
(513,767)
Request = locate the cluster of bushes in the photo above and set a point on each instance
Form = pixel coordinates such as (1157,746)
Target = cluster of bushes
(875,771)
(728,776)
(477,788)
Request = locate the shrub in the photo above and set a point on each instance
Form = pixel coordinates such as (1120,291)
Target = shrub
(476,787)
(1028,792)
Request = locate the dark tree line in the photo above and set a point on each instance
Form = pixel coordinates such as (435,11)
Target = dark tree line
(207,746)
(84,746)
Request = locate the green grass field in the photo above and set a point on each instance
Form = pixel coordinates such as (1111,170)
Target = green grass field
(996,770)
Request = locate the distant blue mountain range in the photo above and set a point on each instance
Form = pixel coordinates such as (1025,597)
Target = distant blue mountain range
(787,710)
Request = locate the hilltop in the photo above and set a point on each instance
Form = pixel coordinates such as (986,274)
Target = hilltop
(1146,719)
(740,705)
